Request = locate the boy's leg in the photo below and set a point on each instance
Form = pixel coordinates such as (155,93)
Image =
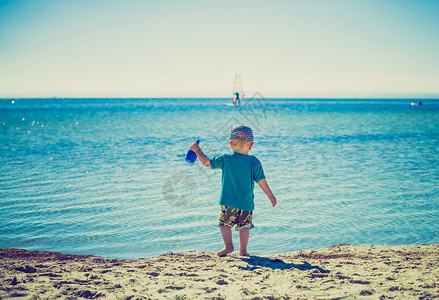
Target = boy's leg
(244,235)
(226,232)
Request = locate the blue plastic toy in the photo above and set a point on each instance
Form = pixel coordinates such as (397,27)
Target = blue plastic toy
(191,157)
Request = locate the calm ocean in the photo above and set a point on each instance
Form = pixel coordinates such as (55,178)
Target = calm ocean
(108,177)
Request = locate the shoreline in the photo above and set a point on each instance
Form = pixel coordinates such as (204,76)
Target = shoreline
(336,272)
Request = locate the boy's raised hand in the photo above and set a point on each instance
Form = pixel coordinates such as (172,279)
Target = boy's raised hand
(201,156)
(194,146)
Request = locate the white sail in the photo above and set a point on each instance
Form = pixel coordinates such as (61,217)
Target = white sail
(238,90)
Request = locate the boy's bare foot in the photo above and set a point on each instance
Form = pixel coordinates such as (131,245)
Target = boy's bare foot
(225,251)
(243,253)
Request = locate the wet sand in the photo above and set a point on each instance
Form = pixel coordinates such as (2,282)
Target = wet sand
(337,272)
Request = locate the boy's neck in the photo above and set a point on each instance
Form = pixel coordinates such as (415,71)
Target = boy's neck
(241,151)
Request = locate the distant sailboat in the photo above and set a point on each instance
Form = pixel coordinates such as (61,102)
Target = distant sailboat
(238,91)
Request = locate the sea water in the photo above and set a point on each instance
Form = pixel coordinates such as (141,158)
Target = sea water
(108,177)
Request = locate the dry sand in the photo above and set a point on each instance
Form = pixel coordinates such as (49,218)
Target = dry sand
(337,272)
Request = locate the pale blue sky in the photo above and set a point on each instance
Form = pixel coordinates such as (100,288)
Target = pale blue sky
(192,48)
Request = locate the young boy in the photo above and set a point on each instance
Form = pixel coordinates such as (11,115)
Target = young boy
(240,171)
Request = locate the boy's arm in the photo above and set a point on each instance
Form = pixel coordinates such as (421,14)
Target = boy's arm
(201,156)
(264,186)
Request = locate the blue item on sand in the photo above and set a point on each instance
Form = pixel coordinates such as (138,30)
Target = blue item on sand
(191,157)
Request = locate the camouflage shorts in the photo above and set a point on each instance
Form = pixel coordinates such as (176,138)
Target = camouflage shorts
(232,216)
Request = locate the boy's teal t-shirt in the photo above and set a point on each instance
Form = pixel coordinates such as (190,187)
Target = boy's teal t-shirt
(240,172)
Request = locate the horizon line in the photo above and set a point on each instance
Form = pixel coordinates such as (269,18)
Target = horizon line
(289,98)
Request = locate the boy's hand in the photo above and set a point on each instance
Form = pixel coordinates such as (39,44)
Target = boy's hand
(273,201)
(201,156)
(194,147)
(264,186)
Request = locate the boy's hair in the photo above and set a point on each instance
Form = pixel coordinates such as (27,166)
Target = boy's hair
(239,142)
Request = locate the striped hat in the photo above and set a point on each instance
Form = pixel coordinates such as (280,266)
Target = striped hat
(241,132)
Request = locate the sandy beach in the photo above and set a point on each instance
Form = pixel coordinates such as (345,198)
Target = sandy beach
(337,272)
